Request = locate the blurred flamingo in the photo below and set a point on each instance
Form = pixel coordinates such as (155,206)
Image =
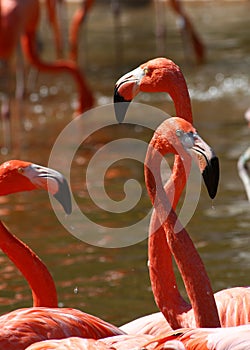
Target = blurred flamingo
(22,327)
(243,166)
(51,6)
(76,22)
(190,37)
(19,20)
(163,75)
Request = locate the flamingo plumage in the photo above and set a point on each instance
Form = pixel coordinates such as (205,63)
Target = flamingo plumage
(118,342)
(23,327)
(230,338)
(163,75)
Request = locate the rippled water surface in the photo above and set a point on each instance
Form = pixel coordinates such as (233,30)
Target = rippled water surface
(113,283)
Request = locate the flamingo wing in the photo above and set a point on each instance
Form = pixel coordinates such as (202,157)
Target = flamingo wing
(23,327)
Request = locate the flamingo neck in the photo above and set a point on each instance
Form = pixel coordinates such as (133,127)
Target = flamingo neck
(188,261)
(32,268)
(179,93)
(86,99)
(162,277)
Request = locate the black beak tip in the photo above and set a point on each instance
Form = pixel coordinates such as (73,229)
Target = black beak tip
(121,106)
(63,196)
(211,176)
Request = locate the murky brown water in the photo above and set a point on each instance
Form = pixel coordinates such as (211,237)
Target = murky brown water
(114,283)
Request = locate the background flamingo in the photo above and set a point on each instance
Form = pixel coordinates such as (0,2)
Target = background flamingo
(19,20)
(162,75)
(23,327)
(243,167)
(192,42)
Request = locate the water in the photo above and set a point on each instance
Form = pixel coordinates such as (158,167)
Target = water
(114,283)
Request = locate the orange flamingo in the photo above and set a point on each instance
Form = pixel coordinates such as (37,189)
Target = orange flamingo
(162,75)
(243,168)
(23,327)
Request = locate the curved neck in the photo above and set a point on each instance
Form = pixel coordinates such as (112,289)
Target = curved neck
(32,268)
(86,99)
(162,277)
(189,263)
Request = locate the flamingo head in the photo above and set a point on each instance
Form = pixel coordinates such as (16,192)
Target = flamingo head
(18,176)
(247,116)
(157,75)
(182,138)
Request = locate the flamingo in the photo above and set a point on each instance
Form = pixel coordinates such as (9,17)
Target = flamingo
(243,168)
(15,176)
(163,75)
(165,141)
(191,39)
(173,134)
(23,327)
(188,32)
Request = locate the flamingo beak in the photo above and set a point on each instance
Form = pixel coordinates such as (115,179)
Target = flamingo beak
(208,164)
(126,88)
(52,181)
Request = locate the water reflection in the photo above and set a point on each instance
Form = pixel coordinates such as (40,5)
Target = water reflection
(114,283)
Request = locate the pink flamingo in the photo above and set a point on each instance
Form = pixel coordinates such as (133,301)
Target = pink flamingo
(163,75)
(22,327)
(173,134)
(166,141)
(243,168)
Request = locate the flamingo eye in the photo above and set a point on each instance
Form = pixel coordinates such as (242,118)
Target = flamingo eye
(20,170)
(179,133)
(187,139)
